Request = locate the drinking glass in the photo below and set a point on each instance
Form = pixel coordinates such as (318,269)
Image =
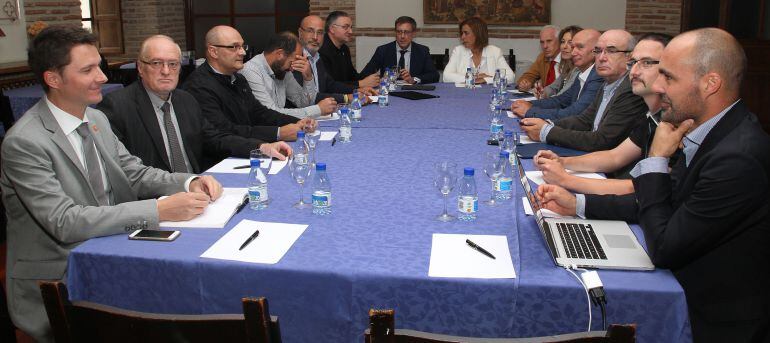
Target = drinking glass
(311,139)
(493,169)
(445,180)
(300,172)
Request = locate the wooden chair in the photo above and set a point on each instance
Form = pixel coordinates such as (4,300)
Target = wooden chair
(382,330)
(88,322)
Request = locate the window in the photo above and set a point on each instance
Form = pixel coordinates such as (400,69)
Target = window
(102,17)
(251,18)
(85,14)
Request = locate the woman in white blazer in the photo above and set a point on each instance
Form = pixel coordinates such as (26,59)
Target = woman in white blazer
(475,52)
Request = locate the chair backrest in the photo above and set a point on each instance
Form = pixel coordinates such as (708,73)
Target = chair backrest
(382,330)
(511,60)
(90,322)
(440,60)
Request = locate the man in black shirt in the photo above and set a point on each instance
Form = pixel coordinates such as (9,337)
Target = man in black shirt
(226,99)
(335,53)
(643,70)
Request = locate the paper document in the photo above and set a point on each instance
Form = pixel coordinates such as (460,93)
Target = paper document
(277,165)
(524,139)
(451,256)
(543,211)
(333,116)
(273,241)
(374,98)
(228,166)
(537,176)
(327,135)
(216,213)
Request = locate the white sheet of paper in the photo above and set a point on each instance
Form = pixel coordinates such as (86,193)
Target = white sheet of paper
(450,256)
(524,139)
(334,116)
(459,84)
(327,135)
(374,98)
(227,165)
(537,176)
(544,211)
(216,213)
(489,80)
(274,240)
(276,166)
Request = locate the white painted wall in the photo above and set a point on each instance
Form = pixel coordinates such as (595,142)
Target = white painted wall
(599,14)
(13,47)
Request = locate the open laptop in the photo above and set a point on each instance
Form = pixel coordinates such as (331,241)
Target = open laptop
(603,244)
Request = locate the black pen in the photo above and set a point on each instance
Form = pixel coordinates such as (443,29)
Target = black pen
(248,240)
(242,205)
(334,140)
(243,167)
(479,249)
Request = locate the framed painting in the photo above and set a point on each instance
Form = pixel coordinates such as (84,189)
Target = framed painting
(494,12)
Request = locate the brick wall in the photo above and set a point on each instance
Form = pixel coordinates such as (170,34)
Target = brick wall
(52,12)
(653,16)
(144,18)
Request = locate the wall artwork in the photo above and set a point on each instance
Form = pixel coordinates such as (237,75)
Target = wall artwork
(494,12)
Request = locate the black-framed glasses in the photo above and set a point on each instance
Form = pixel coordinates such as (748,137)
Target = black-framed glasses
(403,32)
(158,64)
(318,33)
(343,27)
(234,47)
(645,64)
(608,50)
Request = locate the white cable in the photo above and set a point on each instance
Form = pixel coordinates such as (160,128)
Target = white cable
(588,298)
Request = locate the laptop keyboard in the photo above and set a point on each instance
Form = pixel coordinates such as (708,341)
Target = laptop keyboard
(579,241)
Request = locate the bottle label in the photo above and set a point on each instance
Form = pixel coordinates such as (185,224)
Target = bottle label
(300,158)
(357,113)
(258,194)
(503,184)
(467,204)
(322,199)
(495,127)
(345,132)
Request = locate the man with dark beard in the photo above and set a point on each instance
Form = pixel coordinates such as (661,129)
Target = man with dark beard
(707,218)
(267,73)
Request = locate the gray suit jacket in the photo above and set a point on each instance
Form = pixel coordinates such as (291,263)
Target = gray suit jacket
(624,112)
(51,208)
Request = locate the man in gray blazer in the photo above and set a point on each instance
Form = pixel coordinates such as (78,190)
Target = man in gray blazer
(615,111)
(67,178)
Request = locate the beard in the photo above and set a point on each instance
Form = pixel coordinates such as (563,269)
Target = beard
(276,67)
(682,110)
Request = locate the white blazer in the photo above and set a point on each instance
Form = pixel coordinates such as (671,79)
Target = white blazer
(461,58)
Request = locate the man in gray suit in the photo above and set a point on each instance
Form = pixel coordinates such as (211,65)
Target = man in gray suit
(67,178)
(615,111)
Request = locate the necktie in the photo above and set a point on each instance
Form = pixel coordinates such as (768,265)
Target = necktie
(92,165)
(177,158)
(401,61)
(551,74)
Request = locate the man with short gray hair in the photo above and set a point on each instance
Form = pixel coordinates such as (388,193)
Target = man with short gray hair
(269,76)
(546,67)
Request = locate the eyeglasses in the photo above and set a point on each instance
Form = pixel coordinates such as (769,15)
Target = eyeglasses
(234,47)
(608,50)
(344,28)
(403,32)
(158,64)
(645,64)
(314,33)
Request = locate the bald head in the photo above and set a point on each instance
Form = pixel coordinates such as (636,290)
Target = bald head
(225,49)
(614,47)
(313,20)
(712,50)
(583,44)
(154,41)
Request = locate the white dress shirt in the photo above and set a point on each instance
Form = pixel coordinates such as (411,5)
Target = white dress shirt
(157,103)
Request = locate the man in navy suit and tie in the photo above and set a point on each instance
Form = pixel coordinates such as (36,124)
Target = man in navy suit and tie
(413,60)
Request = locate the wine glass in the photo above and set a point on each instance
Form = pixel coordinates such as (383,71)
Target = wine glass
(444,181)
(493,169)
(300,171)
(311,139)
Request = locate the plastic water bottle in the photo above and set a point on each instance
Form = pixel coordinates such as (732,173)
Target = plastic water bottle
(382,99)
(468,78)
(355,106)
(346,129)
(509,145)
(322,191)
(496,79)
(300,149)
(393,76)
(467,197)
(258,198)
(496,125)
(504,183)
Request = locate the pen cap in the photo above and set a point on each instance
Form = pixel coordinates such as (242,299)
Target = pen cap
(300,135)
(254,162)
(319,166)
(505,154)
(468,171)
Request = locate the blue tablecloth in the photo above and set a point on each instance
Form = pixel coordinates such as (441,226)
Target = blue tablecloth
(24,98)
(374,251)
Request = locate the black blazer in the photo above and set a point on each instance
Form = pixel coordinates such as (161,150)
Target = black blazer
(134,122)
(624,111)
(327,85)
(420,63)
(709,223)
(230,106)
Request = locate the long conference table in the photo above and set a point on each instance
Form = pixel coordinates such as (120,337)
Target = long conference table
(374,250)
